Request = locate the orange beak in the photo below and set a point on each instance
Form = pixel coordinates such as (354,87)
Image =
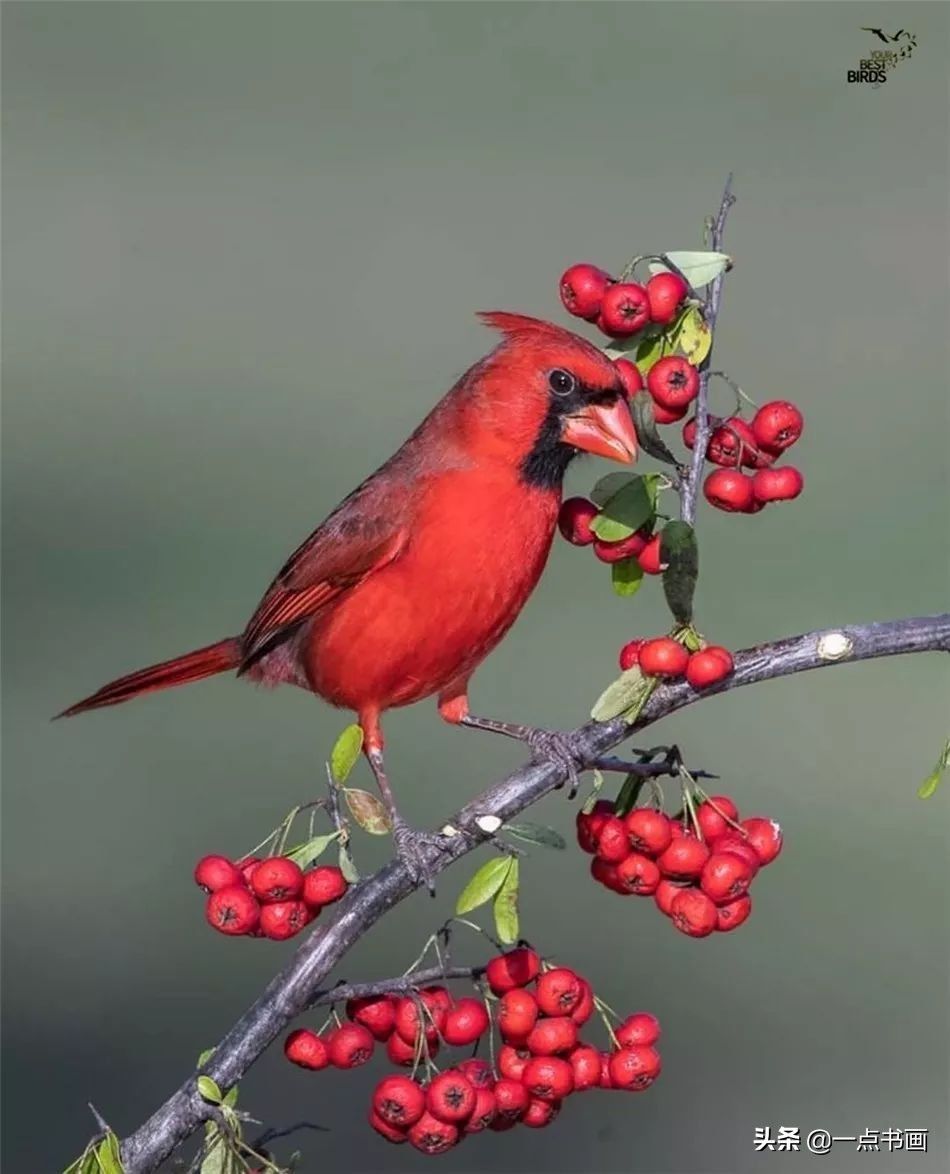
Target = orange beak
(604,431)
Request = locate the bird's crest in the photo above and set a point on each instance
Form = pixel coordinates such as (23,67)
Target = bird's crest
(515,325)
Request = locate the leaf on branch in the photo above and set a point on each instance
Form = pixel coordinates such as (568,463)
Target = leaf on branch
(679,550)
(506,905)
(205,1057)
(928,787)
(219,1156)
(484,884)
(536,833)
(347,867)
(650,350)
(597,785)
(607,486)
(346,752)
(628,509)
(100,1157)
(208,1090)
(626,576)
(698,268)
(306,853)
(622,695)
(695,337)
(644,421)
(368,811)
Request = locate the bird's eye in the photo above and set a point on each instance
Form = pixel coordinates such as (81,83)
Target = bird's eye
(561,382)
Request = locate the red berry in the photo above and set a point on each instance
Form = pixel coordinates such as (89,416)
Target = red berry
(708,666)
(512,1061)
(247,867)
(511,1097)
(606,874)
(432,1136)
(349,1045)
(323,885)
(585,1007)
(550,1036)
(233,910)
(589,824)
(407,1019)
(624,309)
(540,1113)
(450,1097)
(630,654)
(516,968)
(217,872)
(478,1073)
(466,1022)
(782,484)
(277,879)
(399,1101)
(731,443)
(684,858)
(662,415)
(307,1049)
(582,290)
(605,1081)
(666,891)
(731,916)
(574,519)
(725,877)
(764,836)
(615,552)
(401,1052)
(638,874)
(663,657)
(714,814)
(612,843)
(630,377)
(585,1063)
(648,831)
(665,293)
(548,1078)
(649,557)
(390,1132)
(673,382)
(484,1112)
(284,919)
(634,1068)
(693,913)
(377,1013)
(734,842)
(730,490)
(559,991)
(640,1030)
(517,1014)
(689,432)
(777,425)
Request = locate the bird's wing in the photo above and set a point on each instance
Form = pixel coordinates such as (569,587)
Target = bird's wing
(350,545)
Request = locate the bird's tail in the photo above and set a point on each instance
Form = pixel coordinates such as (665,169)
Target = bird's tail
(203,662)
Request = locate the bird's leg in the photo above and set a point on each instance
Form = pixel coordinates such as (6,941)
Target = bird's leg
(414,847)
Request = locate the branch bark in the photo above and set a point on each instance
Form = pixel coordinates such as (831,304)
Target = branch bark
(297,986)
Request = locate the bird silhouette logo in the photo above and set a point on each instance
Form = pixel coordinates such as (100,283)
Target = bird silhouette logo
(905,39)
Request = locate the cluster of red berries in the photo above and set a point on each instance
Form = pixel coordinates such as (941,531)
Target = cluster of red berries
(699,876)
(735,444)
(542,1058)
(272,898)
(574,521)
(669,659)
(621,308)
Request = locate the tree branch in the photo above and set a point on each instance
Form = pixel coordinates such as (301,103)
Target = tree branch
(296,987)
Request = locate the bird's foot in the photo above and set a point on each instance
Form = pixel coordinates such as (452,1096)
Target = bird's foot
(415,848)
(555,746)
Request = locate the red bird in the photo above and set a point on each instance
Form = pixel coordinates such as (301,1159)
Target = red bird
(416,576)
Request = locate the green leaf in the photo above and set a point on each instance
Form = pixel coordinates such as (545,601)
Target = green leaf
(597,785)
(506,905)
(644,421)
(230,1097)
(678,549)
(628,509)
(347,867)
(626,576)
(650,350)
(629,793)
(620,695)
(346,751)
(698,268)
(220,1157)
(368,811)
(536,833)
(607,486)
(928,787)
(695,337)
(484,884)
(305,854)
(205,1057)
(208,1090)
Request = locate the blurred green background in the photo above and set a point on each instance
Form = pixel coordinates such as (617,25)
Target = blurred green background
(244,245)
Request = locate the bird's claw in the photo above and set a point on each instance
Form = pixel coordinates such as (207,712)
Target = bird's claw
(555,746)
(414,848)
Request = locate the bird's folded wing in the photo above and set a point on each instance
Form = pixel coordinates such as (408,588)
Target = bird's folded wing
(334,559)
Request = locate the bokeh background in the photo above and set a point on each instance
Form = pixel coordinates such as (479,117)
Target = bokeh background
(243,246)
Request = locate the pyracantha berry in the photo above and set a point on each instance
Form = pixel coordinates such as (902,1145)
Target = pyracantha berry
(709,665)
(673,383)
(540,1113)
(585,1007)
(408,1020)
(781,484)
(777,425)
(559,991)
(732,443)
(306,1049)
(432,1136)
(277,879)
(684,858)
(217,872)
(725,877)
(582,289)
(735,842)
(574,519)
(323,885)
(649,557)
(612,843)
(548,1078)
(516,968)
(729,490)
(630,654)
(384,1129)
(478,1072)
(764,836)
(403,1053)
(511,1097)
(624,309)
(648,831)
(640,1030)
(606,874)
(590,823)
(484,1112)
(663,657)
(630,376)
(666,890)
(585,1064)
(517,1015)
(281,920)
(349,1045)
(233,910)
(377,1013)
(450,1097)
(665,294)
(693,913)
(615,552)
(399,1101)
(664,415)
(248,866)
(634,1068)
(638,874)
(714,814)
(512,1061)
(466,1022)
(550,1036)
(731,916)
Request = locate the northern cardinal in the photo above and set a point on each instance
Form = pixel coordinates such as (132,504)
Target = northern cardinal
(416,576)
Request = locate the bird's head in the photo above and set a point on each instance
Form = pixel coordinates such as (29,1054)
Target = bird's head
(546,394)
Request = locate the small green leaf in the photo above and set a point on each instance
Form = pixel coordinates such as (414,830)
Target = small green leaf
(650,350)
(630,715)
(368,811)
(678,549)
(698,268)
(347,867)
(208,1090)
(219,1156)
(230,1097)
(346,751)
(644,421)
(506,905)
(695,337)
(627,510)
(484,884)
(305,854)
(536,833)
(205,1057)
(929,786)
(626,576)
(597,785)
(607,486)
(628,795)
(620,695)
